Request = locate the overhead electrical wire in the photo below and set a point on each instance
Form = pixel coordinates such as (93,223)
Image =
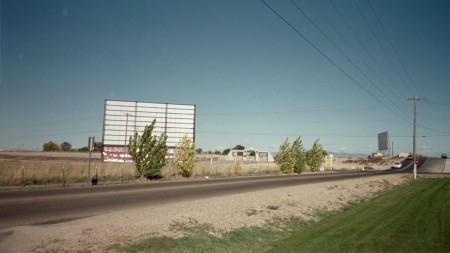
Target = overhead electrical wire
(382,47)
(330,135)
(364,46)
(331,24)
(395,53)
(393,48)
(47,135)
(328,110)
(330,60)
(52,122)
(349,60)
(336,135)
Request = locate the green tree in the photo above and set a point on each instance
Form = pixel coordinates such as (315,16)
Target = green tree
(66,146)
(315,156)
(226,151)
(238,147)
(285,159)
(198,150)
(83,149)
(184,157)
(98,146)
(148,152)
(300,155)
(51,146)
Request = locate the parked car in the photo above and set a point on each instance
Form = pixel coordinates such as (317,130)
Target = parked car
(444,156)
(397,165)
(410,157)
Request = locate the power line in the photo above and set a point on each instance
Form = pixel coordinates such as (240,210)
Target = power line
(346,57)
(381,46)
(363,46)
(336,135)
(392,46)
(34,124)
(329,59)
(329,135)
(331,24)
(48,135)
(436,103)
(326,110)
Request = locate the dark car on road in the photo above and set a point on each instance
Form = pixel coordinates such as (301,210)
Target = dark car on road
(444,156)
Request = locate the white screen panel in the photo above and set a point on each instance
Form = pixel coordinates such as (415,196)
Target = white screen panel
(123,118)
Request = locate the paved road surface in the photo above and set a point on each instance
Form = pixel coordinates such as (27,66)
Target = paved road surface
(50,206)
(446,166)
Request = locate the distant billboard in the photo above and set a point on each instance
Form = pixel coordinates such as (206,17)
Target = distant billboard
(124,118)
(383,141)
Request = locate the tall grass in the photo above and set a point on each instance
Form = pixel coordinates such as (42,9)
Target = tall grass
(226,169)
(14,173)
(22,172)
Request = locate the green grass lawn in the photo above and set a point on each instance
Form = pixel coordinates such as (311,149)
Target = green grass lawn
(411,218)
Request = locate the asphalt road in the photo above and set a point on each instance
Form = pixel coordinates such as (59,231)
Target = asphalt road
(51,206)
(425,166)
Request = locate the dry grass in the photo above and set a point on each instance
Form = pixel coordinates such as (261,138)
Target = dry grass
(13,173)
(222,169)
(50,172)
(41,168)
(72,167)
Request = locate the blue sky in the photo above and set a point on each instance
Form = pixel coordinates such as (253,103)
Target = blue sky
(343,75)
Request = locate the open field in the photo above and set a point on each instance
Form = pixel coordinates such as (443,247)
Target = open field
(68,168)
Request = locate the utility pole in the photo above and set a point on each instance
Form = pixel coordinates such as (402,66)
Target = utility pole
(126,130)
(414,134)
(392,148)
(91,145)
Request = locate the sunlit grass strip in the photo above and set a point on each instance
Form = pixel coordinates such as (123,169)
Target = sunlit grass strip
(413,218)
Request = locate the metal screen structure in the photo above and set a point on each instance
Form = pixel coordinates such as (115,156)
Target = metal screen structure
(383,141)
(124,118)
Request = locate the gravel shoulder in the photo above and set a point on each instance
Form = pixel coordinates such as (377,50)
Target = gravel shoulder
(104,232)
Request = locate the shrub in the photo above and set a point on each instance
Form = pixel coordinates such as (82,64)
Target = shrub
(148,152)
(184,157)
(315,156)
(285,159)
(51,146)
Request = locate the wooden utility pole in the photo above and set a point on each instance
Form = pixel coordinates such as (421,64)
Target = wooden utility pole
(414,135)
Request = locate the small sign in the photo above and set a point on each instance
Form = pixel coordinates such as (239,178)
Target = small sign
(91,144)
(329,162)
